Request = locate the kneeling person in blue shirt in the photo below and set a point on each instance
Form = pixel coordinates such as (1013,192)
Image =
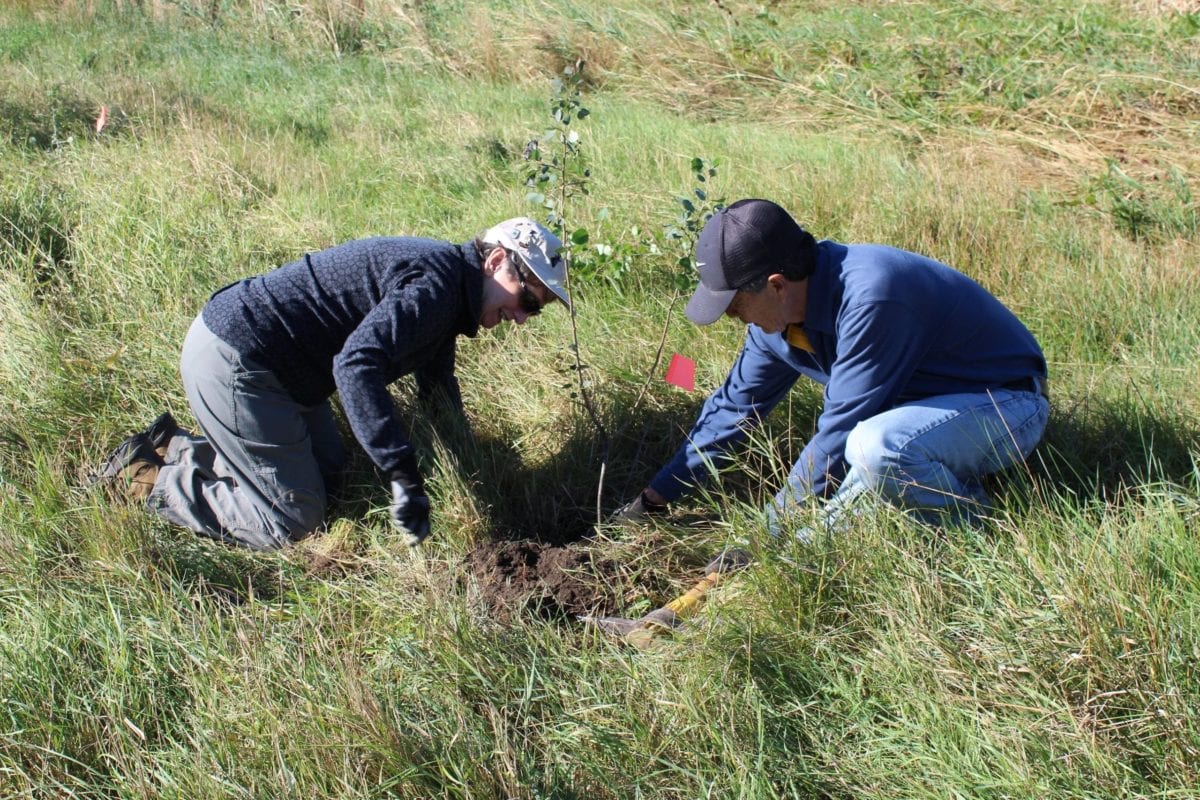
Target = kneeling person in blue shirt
(266,353)
(929,381)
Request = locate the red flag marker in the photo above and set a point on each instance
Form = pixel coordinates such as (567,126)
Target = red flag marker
(682,372)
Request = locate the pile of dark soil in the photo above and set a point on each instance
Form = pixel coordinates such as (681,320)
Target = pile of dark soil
(548,581)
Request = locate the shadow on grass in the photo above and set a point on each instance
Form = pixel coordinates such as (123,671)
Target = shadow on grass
(59,118)
(224,573)
(1096,450)
(1099,449)
(551,500)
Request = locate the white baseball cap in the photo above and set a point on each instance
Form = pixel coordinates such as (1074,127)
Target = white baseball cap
(538,250)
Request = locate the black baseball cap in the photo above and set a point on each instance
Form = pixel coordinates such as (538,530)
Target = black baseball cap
(741,243)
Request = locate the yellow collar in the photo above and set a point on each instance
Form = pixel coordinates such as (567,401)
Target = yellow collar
(797,338)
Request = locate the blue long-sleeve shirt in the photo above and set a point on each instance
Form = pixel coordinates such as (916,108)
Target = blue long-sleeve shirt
(885,327)
(355,318)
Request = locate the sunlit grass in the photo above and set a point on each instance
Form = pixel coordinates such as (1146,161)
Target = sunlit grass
(1046,149)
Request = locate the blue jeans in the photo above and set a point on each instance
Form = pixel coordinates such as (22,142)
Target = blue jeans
(927,457)
(258,475)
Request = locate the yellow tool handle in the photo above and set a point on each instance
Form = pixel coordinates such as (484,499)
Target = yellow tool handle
(688,602)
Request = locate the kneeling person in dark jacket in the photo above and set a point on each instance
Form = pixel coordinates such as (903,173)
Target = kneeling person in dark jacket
(266,353)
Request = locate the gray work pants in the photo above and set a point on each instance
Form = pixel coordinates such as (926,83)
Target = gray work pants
(258,475)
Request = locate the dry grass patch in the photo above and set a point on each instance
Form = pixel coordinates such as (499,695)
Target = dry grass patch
(1157,8)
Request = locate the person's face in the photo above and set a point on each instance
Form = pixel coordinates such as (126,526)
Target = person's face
(509,297)
(766,309)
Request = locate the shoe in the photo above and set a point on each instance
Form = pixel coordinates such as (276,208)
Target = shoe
(161,432)
(132,466)
(138,447)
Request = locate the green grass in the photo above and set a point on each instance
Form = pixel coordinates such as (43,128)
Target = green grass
(1045,148)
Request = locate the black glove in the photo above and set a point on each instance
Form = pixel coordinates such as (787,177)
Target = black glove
(410,505)
(637,511)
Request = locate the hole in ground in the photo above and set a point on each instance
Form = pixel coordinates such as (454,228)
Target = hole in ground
(544,580)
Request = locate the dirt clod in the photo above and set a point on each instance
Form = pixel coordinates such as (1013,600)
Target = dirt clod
(525,576)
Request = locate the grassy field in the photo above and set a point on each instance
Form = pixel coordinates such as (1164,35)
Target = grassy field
(1047,148)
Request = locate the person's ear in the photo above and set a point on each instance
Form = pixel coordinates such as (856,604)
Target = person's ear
(777,282)
(494,261)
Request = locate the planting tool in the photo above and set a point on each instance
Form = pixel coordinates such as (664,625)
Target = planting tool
(642,633)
